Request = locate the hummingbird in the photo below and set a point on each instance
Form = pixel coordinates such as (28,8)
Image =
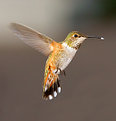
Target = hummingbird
(60,54)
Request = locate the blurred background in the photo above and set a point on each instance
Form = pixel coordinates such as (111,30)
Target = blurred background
(89,88)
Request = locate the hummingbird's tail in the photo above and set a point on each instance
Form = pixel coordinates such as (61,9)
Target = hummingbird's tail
(52,91)
(51,85)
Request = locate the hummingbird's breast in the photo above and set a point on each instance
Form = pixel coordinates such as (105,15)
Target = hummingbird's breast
(66,56)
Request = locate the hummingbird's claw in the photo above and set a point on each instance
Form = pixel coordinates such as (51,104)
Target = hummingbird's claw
(62,72)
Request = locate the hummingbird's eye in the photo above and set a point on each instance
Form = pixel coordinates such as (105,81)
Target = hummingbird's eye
(75,35)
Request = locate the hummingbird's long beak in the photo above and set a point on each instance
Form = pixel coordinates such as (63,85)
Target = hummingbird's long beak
(102,38)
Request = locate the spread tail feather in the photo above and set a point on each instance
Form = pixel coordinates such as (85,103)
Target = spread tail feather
(52,91)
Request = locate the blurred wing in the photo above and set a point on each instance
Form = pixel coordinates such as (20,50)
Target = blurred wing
(33,38)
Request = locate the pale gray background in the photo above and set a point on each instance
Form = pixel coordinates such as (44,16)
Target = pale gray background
(89,89)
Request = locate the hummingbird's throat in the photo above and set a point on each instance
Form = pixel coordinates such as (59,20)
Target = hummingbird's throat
(78,42)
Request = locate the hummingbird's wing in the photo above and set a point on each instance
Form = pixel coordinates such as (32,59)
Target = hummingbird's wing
(33,38)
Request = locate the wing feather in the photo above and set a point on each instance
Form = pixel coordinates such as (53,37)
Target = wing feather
(33,38)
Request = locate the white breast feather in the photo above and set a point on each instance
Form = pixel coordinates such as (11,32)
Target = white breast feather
(69,54)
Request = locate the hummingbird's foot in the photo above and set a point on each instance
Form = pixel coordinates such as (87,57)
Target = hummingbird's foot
(60,71)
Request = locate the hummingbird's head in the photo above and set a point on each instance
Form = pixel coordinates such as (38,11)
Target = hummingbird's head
(75,38)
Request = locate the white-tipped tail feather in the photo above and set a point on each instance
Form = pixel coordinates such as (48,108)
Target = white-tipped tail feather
(50,97)
(55,93)
(59,89)
(102,38)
